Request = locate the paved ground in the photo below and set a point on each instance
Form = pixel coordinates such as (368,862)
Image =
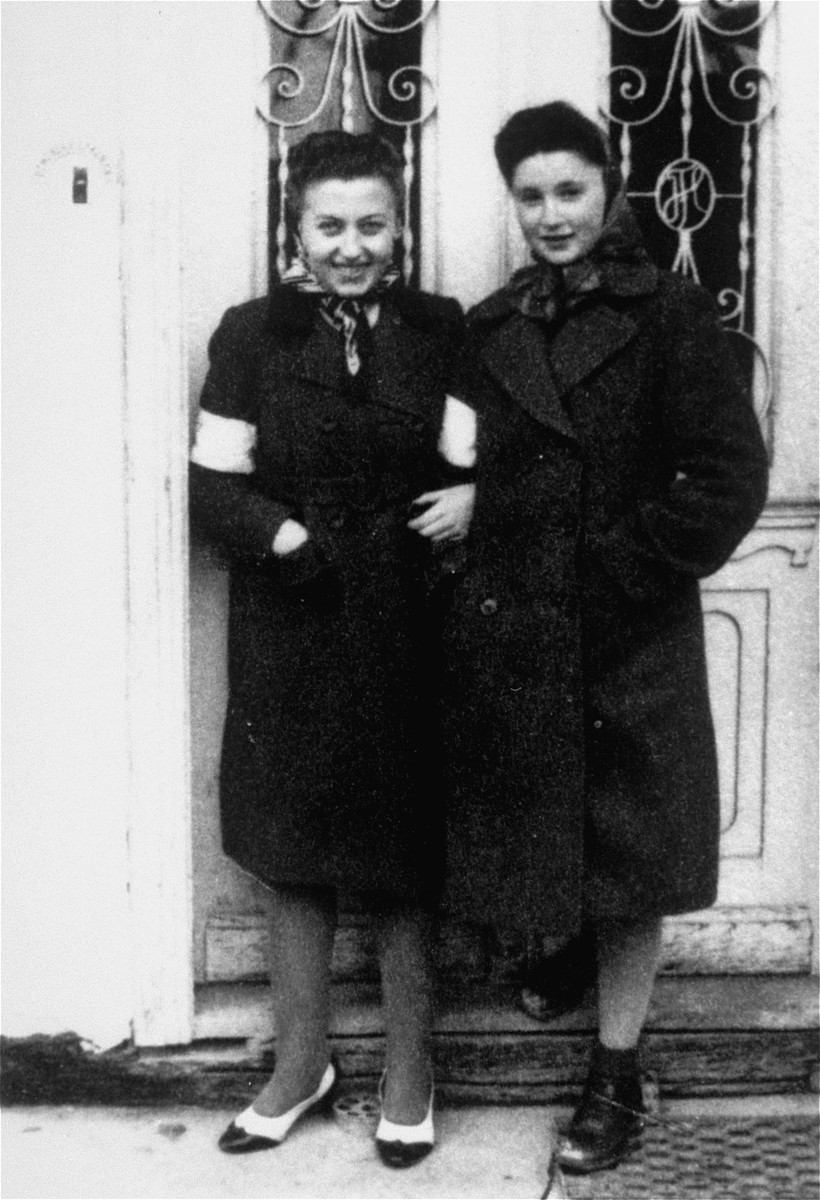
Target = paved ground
(170,1154)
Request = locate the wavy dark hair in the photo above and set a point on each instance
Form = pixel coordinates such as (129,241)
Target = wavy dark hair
(550,127)
(334,154)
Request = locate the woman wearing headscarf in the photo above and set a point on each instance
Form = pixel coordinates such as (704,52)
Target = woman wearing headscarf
(326,463)
(619,462)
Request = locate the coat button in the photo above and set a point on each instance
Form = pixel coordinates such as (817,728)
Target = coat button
(488,606)
(597,724)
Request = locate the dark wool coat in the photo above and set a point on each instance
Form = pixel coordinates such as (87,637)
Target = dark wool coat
(619,462)
(328,773)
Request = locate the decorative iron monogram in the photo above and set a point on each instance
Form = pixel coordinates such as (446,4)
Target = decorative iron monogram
(691,74)
(339,72)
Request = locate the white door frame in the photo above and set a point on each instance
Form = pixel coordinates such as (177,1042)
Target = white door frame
(158,370)
(156,441)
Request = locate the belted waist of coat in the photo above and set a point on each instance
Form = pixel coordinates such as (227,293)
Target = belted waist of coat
(360,493)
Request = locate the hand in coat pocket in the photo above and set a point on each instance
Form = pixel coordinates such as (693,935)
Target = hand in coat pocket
(289,537)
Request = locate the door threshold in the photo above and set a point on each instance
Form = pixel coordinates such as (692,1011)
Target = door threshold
(681,1004)
(716,1035)
(706,1036)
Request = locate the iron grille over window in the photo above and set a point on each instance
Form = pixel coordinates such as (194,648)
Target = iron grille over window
(687,99)
(349,64)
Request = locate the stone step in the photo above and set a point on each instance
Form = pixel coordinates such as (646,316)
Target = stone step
(705,1036)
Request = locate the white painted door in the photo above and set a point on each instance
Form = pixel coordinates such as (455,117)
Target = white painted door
(487,60)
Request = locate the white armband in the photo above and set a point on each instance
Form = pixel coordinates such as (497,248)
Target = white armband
(224,444)
(456,442)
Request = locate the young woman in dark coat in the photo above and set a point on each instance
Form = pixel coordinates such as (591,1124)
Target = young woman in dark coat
(320,423)
(619,461)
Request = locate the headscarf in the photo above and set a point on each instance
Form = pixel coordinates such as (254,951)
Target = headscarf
(346,314)
(546,292)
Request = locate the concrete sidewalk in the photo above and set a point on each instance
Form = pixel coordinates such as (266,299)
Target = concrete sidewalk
(107,1153)
(488,1153)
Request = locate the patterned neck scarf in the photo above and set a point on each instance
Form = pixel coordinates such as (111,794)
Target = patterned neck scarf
(547,293)
(346,314)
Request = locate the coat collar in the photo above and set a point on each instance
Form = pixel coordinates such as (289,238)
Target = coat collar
(401,337)
(292,313)
(619,280)
(539,371)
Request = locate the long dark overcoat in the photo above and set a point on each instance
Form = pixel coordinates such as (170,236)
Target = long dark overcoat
(328,772)
(619,462)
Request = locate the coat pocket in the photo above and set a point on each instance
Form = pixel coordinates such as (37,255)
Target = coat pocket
(304,565)
(641,576)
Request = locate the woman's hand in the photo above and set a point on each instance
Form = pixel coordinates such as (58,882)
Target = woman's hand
(448,513)
(289,537)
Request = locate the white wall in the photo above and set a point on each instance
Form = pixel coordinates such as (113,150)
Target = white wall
(795,253)
(65,918)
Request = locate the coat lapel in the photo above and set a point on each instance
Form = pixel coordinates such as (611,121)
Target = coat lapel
(304,345)
(402,370)
(320,356)
(540,372)
(586,340)
(313,352)
(515,353)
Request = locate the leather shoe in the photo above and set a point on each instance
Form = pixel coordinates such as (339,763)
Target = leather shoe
(557,984)
(251,1131)
(606,1126)
(404,1145)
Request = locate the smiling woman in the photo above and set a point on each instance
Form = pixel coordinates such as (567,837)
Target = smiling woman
(560,201)
(347,230)
(346,205)
(619,461)
(323,423)
(560,181)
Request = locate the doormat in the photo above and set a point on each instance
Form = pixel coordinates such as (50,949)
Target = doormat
(712,1158)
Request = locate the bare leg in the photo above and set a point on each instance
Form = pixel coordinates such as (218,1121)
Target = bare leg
(407,991)
(628,957)
(302,925)
(608,1122)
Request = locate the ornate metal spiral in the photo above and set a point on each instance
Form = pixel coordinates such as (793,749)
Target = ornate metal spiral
(291,91)
(730,303)
(642,33)
(296,30)
(753,83)
(634,86)
(386,5)
(283,89)
(404,89)
(733,31)
(631,92)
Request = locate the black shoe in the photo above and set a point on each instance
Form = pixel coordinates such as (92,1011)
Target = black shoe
(607,1125)
(558,984)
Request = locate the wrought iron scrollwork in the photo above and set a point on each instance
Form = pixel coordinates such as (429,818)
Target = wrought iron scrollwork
(346,75)
(705,48)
